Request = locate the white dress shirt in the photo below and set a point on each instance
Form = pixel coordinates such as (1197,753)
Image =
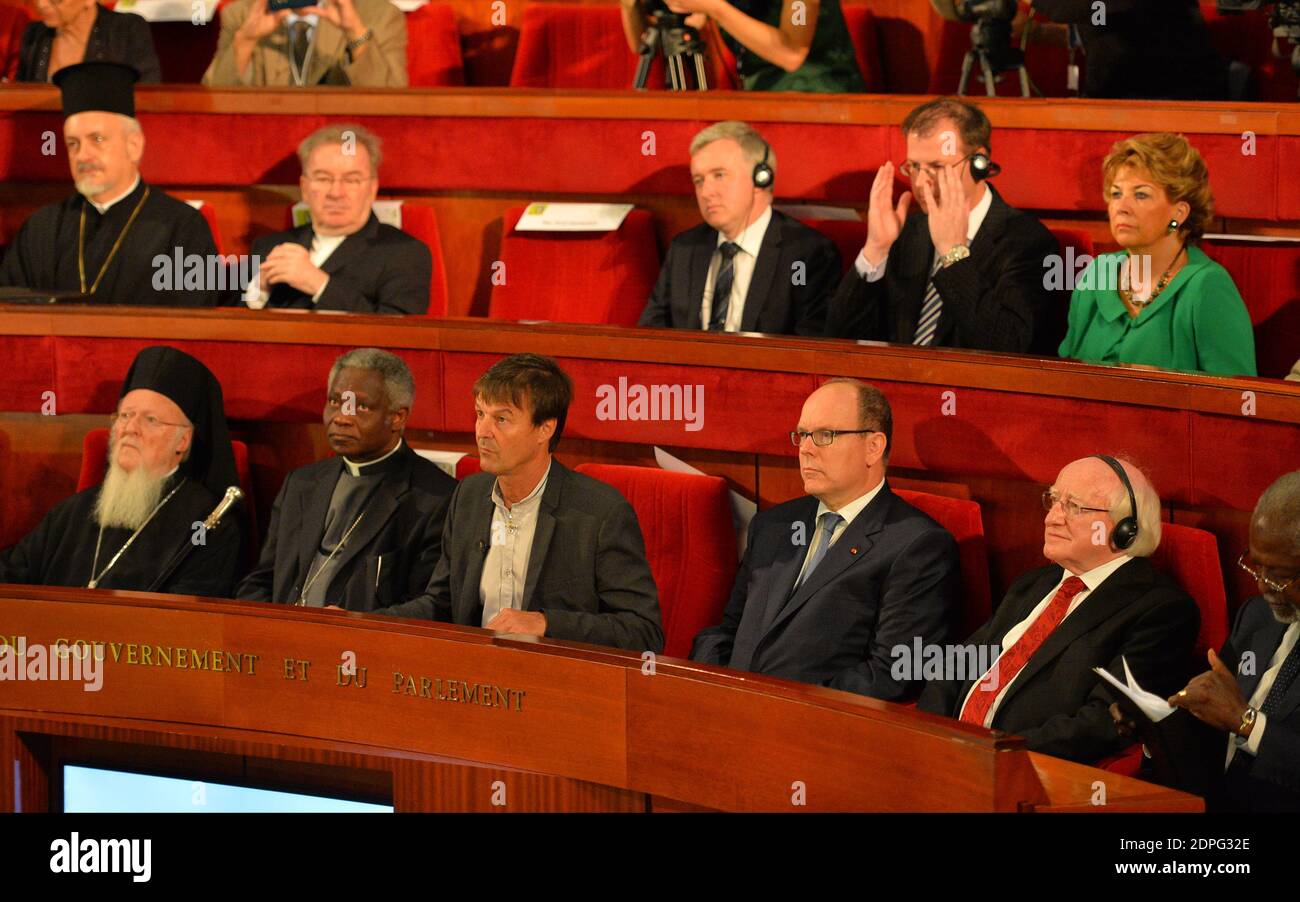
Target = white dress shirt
(104,207)
(1091,580)
(1250,744)
(321,248)
(750,240)
(505,570)
(848,512)
(977,214)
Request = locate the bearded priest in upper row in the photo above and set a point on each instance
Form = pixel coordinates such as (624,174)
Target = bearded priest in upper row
(102,241)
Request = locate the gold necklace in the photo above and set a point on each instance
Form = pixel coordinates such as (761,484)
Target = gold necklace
(1127,293)
(81,244)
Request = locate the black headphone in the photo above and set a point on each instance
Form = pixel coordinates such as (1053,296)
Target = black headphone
(981,167)
(1126,530)
(763,174)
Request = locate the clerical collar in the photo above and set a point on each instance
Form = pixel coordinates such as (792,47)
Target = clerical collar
(356,468)
(104,208)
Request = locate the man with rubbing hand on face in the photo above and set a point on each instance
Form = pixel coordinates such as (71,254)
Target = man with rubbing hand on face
(529,546)
(361,530)
(967,272)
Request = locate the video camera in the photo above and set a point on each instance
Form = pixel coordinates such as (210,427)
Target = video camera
(990,37)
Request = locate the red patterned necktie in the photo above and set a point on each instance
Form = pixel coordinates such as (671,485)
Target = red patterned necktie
(1015,658)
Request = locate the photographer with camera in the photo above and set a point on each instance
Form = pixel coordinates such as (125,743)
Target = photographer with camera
(1139,49)
(298,42)
(780,45)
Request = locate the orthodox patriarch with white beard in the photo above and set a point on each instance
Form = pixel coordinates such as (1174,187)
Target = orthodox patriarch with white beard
(170,462)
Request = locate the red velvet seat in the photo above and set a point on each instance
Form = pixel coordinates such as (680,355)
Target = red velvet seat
(964,520)
(866,46)
(94,463)
(1267,275)
(1079,239)
(690,542)
(467,466)
(13,21)
(210,214)
(433,57)
(614,273)
(419,221)
(1191,557)
(565,45)
(849,236)
(1246,36)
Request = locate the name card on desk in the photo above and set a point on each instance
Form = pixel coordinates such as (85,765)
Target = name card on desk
(548,217)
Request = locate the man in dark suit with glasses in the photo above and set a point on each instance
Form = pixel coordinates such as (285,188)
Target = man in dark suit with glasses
(835,582)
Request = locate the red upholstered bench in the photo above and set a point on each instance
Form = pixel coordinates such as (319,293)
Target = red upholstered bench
(964,520)
(94,463)
(576,277)
(13,21)
(1267,274)
(564,45)
(433,57)
(690,543)
(849,236)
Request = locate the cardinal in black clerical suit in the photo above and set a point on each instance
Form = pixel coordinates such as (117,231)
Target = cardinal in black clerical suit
(361,530)
(170,463)
(117,239)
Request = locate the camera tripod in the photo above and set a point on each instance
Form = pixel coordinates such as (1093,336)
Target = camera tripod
(668,33)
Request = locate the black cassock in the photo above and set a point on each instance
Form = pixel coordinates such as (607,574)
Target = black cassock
(44,254)
(60,551)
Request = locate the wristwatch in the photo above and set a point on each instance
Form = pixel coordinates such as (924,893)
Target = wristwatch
(1247,719)
(357,42)
(958,252)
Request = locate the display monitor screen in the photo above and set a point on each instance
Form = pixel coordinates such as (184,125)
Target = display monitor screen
(96,790)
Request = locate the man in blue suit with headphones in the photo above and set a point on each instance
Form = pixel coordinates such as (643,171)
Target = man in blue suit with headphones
(747,267)
(1099,601)
(965,272)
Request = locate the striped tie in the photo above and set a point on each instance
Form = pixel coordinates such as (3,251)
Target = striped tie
(930,310)
(722,286)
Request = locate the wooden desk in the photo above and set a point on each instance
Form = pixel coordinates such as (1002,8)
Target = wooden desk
(454,717)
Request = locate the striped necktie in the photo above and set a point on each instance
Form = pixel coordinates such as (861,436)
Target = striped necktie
(931,307)
(1282,682)
(722,286)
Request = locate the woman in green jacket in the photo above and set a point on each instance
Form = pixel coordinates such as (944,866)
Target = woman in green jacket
(1160,300)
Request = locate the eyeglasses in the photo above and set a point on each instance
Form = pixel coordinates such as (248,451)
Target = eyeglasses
(823,437)
(1072,508)
(910,169)
(351,181)
(1257,574)
(146,421)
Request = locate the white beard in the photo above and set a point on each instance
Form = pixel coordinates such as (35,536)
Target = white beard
(126,499)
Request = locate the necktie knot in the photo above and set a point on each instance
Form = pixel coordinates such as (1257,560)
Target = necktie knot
(728,249)
(829,521)
(1072,587)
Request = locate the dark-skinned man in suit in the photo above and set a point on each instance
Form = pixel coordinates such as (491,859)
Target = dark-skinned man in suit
(1237,739)
(1100,600)
(967,271)
(835,582)
(529,546)
(747,267)
(360,530)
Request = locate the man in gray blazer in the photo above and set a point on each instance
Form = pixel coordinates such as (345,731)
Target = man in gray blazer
(836,584)
(530,547)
